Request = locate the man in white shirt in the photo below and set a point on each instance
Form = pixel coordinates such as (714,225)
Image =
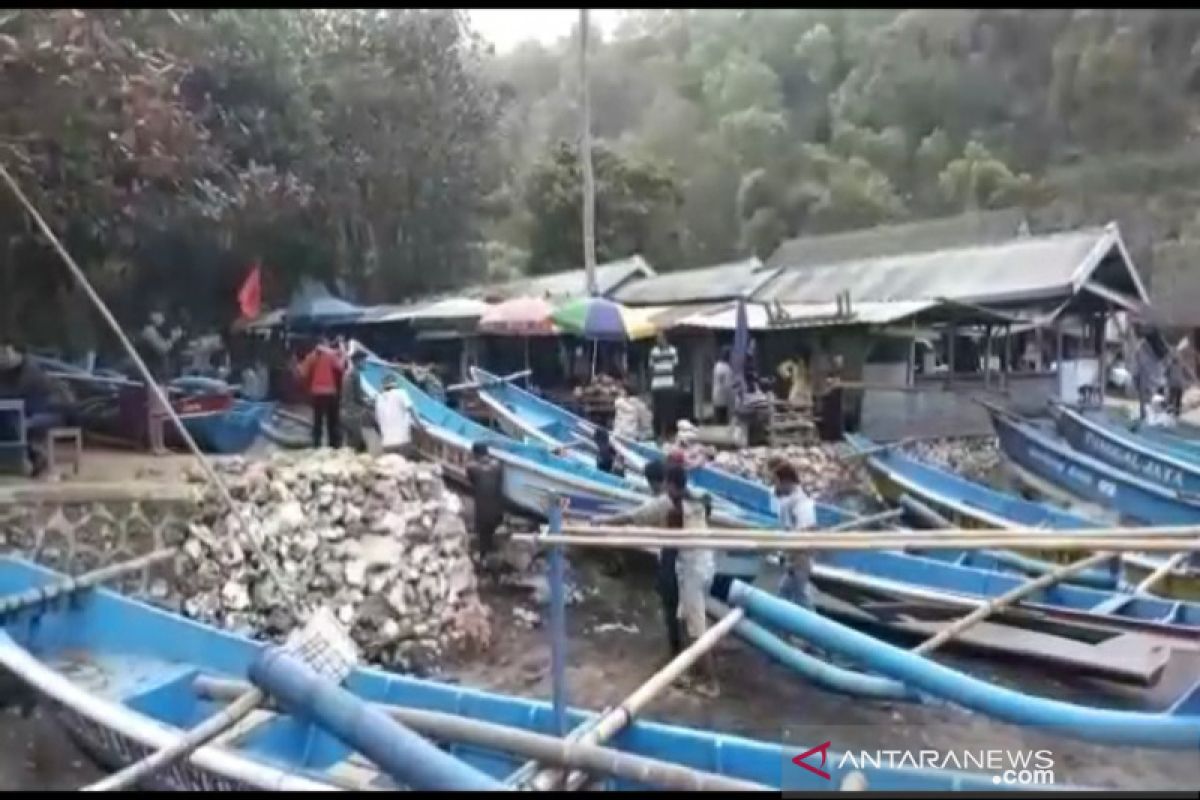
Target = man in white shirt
(797,512)
(393,415)
(663,362)
(722,392)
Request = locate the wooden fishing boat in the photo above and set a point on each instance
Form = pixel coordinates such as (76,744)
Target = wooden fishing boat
(973,505)
(124,678)
(532,475)
(111,405)
(1176,728)
(526,416)
(1050,465)
(1043,459)
(1170,466)
(1180,434)
(1081,610)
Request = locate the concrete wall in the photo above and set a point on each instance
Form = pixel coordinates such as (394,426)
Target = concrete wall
(76,527)
(930,409)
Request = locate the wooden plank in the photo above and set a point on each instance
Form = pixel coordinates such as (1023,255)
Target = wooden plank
(1130,658)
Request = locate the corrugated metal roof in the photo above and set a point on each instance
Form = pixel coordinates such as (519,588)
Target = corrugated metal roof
(1019,270)
(447,309)
(973,228)
(703,285)
(804,315)
(566,285)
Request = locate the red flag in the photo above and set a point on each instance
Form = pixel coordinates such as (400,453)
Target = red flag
(250,295)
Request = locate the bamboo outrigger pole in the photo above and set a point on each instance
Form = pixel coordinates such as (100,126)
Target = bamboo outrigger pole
(859,543)
(612,722)
(1010,597)
(1189,532)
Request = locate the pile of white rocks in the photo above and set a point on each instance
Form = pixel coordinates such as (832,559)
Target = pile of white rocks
(380,541)
(824,469)
(976,458)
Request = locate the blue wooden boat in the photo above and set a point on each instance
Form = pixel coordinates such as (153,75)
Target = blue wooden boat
(1050,463)
(121,678)
(228,431)
(112,405)
(533,475)
(1094,609)
(973,505)
(525,415)
(1170,466)
(1177,728)
(1181,435)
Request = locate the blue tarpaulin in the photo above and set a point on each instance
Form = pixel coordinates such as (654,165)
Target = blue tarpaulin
(313,306)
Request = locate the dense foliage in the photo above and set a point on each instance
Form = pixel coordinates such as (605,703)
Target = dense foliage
(779,122)
(171,148)
(390,153)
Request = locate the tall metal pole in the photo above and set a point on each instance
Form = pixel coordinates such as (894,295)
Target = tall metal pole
(585,159)
(558,624)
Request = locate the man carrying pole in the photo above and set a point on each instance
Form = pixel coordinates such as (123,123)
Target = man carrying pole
(679,509)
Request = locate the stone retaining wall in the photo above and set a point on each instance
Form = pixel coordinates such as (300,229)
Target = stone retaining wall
(75,527)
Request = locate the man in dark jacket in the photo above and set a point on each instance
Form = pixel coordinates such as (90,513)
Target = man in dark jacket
(485,474)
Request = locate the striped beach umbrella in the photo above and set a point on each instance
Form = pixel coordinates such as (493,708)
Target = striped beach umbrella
(602,319)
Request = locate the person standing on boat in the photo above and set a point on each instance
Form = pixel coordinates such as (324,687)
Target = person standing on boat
(722,391)
(797,512)
(322,370)
(664,360)
(393,415)
(485,474)
(678,508)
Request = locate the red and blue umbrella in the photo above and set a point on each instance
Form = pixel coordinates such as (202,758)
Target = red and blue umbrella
(603,319)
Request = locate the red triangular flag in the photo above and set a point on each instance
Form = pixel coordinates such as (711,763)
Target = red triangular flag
(250,295)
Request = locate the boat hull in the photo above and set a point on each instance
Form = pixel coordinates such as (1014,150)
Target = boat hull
(525,415)
(1154,462)
(1051,459)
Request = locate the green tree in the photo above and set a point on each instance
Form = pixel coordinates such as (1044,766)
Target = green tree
(637,207)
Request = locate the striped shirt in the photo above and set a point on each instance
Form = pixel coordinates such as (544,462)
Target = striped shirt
(663,361)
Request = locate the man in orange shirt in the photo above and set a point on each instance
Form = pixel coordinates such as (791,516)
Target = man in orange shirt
(322,371)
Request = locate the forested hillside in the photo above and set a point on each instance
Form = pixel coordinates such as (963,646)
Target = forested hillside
(392,153)
(772,123)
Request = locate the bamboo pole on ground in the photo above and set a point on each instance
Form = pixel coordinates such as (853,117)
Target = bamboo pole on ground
(549,749)
(615,720)
(858,543)
(1007,599)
